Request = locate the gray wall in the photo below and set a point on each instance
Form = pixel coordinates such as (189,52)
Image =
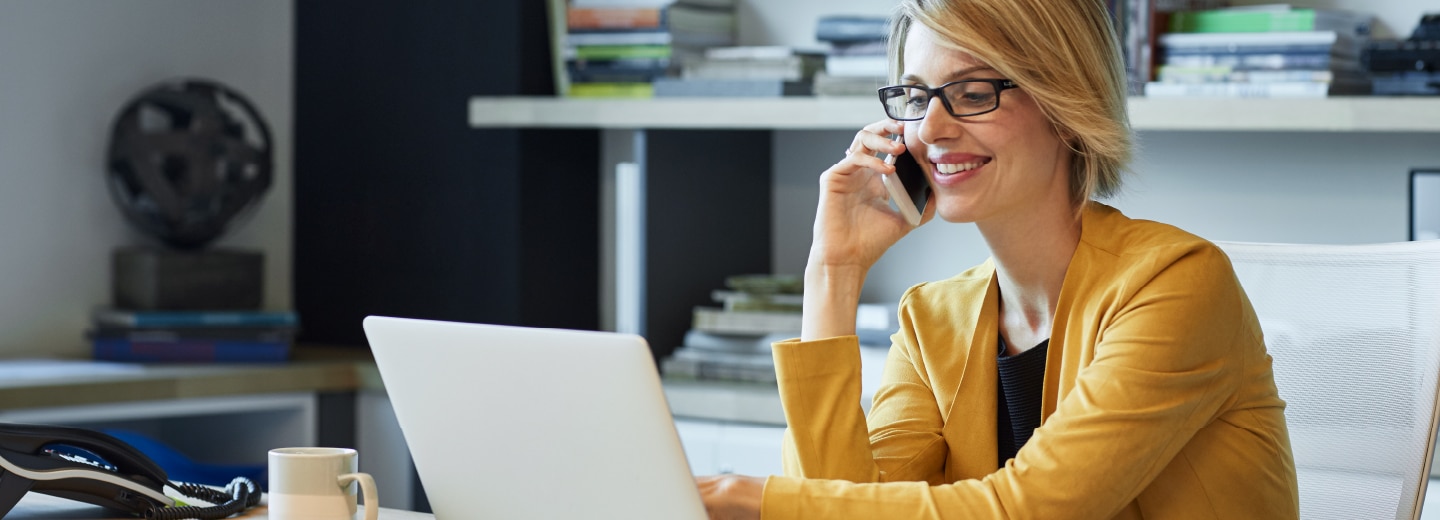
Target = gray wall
(66,68)
(1278,187)
(1337,188)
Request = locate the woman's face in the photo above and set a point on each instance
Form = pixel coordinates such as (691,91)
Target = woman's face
(985,166)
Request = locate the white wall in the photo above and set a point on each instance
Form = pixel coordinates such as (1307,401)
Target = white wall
(66,68)
(1338,188)
(1280,187)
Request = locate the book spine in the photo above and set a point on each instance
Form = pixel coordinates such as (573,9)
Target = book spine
(851,29)
(620,38)
(689,368)
(1249,49)
(863,48)
(1260,61)
(612,90)
(620,52)
(674,87)
(708,319)
(1229,75)
(614,18)
(864,66)
(1135,42)
(1242,21)
(617,71)
(1240,41)
(193,333)
(199,351)
(157,319)
(1238,90)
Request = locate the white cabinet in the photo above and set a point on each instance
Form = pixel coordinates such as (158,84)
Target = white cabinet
(716,447)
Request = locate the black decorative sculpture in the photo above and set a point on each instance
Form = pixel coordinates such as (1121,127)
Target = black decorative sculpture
(188,161)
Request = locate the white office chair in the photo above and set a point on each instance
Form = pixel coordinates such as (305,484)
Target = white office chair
(1354,332)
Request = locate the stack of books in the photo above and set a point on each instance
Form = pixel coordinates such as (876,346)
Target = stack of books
(732,341)
(856,64)
(1262,51)
(618,48)
(769,71)
(192,336)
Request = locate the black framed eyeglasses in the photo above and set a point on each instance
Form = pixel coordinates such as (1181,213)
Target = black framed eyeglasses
(967,97)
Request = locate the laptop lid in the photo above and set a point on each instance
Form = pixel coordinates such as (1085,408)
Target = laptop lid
(513,422)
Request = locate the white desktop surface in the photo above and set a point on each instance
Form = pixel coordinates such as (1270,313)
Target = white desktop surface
(36,506)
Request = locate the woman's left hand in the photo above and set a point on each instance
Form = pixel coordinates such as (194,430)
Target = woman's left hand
(731,497)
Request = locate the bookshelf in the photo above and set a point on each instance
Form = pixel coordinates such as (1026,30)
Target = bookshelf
(1339,114)
(682,256)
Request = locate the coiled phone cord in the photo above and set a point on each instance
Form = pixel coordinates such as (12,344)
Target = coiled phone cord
(239,495)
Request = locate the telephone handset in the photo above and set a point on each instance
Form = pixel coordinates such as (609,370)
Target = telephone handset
(96,468)
(908,188)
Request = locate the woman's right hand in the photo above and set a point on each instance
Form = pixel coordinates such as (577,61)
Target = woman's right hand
(855,224)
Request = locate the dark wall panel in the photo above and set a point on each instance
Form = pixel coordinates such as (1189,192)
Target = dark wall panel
(707,217)
(403,209)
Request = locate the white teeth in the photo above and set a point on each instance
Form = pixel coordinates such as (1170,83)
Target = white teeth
(956,168)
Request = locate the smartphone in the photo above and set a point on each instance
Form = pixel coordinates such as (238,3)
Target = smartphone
(909,190)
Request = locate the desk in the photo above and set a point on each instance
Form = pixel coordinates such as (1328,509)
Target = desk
(224,413)
(313,370)
(36,506)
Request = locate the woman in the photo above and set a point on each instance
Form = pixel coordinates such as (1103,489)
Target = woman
(1128,343)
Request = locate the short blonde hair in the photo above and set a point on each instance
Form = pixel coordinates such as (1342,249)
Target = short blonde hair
(1064,53)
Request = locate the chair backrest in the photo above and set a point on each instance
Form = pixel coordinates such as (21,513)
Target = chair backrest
(1354,331)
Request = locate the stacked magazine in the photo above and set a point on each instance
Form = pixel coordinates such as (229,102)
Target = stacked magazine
(618,48)
(1262,51)
(856,64)
(731,341)
(192,336)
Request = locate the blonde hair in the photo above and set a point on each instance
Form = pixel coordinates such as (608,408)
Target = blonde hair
(1064,53)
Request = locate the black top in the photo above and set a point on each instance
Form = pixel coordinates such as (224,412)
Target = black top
(1022,378)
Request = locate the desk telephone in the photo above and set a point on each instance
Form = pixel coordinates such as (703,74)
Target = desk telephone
(96,468)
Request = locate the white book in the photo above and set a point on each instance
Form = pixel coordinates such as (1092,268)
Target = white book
(620,38)
(1250,39)
(711,319)
(857,66)
(1282,89)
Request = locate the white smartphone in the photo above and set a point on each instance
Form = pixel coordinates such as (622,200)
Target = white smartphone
(908,188)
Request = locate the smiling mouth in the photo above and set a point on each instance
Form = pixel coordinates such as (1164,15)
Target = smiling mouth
(951,169)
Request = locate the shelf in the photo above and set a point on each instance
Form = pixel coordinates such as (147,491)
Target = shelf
(1341,114)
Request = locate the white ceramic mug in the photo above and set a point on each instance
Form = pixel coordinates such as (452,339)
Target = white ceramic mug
(316,484)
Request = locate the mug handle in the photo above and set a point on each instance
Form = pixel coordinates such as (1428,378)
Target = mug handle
(367,488)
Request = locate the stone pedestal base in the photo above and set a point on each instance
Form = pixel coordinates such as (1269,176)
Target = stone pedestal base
(159,279)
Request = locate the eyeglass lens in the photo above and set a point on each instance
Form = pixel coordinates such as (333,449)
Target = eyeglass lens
(965,98)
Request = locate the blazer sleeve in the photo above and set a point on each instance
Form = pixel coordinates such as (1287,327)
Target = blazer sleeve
(827,435)
(1160,373)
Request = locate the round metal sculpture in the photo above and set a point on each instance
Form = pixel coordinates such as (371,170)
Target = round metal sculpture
(187,160)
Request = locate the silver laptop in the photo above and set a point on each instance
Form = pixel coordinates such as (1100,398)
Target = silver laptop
(512,422)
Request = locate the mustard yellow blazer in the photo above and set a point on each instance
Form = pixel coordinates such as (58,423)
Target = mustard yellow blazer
(1159,401)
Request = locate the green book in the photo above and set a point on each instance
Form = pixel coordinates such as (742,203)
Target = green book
(611,90)
(1268,20)
(619,52)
